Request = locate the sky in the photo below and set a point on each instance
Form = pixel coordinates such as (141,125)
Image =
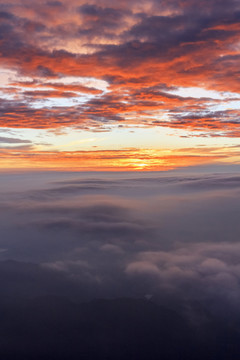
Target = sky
(119,179)
(118,85)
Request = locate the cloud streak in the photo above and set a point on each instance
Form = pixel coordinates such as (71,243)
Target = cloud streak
(111,160)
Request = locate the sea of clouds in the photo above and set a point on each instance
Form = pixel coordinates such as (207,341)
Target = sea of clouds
(170,236)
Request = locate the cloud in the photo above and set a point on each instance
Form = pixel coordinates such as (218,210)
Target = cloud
(161,234)
(125,159)
(67,239)
(114,249)
(205,272)
(142,267)
(125,46)
(8,140)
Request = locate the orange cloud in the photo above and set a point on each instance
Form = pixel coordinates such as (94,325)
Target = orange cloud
(143,52)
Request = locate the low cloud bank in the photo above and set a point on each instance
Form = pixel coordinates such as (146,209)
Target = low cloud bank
(161,249)
(174,236)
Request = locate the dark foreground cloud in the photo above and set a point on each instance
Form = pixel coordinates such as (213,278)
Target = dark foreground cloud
(162,250)
(165,227)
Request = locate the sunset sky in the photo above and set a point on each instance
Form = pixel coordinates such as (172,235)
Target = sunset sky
(120,179)
(119,85)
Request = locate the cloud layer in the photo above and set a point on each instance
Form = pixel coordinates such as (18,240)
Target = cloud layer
(91,263)
(174,236)
(143,52)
